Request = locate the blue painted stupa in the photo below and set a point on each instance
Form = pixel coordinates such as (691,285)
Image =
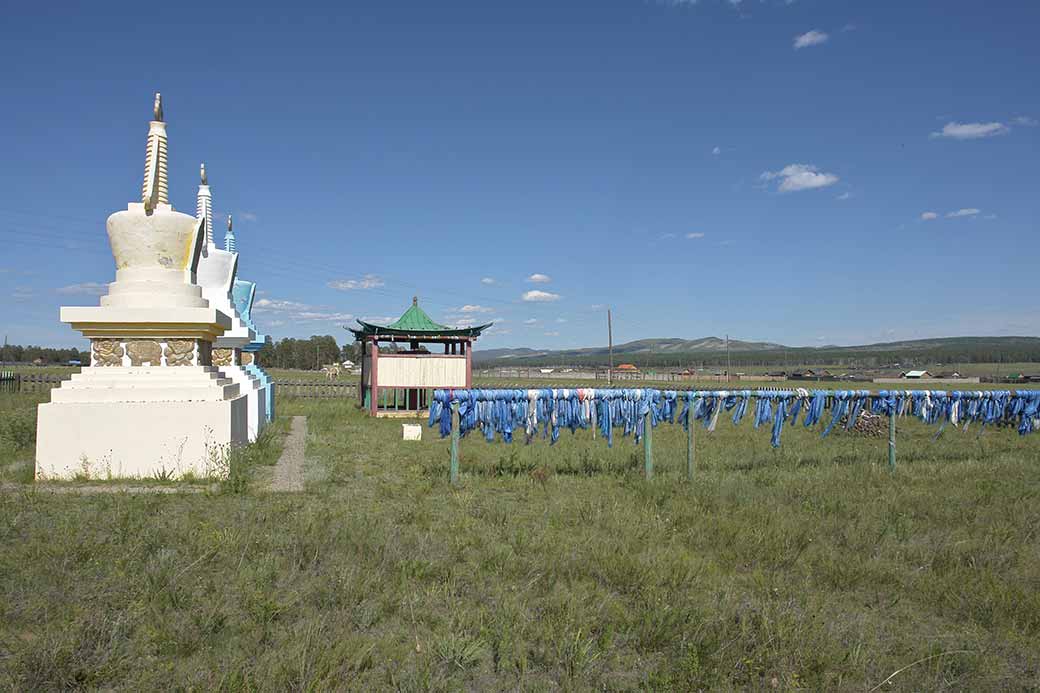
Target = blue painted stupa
(243,293)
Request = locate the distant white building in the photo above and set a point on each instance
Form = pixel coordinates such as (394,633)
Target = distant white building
(915,375)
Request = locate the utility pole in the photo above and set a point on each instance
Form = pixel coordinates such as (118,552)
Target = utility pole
(610,347)
(729,365)
(317,356)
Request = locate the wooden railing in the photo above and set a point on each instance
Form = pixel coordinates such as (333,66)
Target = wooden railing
(314,388)
(29,382)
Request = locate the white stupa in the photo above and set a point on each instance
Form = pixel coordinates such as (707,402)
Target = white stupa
(216,276)
(151,401)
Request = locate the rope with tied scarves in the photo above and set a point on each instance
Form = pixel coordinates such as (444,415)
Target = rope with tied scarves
(503,412)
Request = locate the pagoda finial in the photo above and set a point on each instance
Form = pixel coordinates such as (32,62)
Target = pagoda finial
(229,237)
(204,206)
(415,300)
(155,190)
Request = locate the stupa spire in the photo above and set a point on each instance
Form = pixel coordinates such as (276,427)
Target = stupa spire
(155,190)
(204,209)
(229,237)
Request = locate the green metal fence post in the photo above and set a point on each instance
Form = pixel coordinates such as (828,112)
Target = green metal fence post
(453,473)
(689,449)
(648,446)
(892,441)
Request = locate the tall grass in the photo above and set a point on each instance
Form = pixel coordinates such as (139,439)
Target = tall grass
(807,567)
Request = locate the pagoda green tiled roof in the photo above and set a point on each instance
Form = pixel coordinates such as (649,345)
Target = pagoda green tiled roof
(415,322)
(415,319)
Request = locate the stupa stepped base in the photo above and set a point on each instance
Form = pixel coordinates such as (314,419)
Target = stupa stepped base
(254,390)
(266,384)
(147,384)
(99,440)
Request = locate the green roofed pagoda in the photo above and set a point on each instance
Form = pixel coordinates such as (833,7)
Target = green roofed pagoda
(400,378)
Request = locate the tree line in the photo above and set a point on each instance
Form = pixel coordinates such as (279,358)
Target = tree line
(306,354)
(16,353)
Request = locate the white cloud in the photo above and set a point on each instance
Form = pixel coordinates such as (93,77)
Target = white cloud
(716,151)
(990,216)
(531,321)
(378,319)
(928,216)
(322,316)
(246,216)
(561,320)
(597,306)
(1027,121)
(459,323)
(967,212)
(540,296)
(845,195)
(666,236)
(795,177)
(848,27)
(86,288)
(369,281)
(810,38)
(268,304)
(468,308)
(487,281)
(537,278)
(971,131)
(552,334)
(695,234)
(294,311)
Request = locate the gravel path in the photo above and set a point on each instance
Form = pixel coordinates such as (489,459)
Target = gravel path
(288,473)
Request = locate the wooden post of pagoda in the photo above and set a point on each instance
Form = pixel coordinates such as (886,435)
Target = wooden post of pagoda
(467,348)
(373,388)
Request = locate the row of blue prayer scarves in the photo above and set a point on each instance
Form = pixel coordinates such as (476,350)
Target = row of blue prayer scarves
(528,412)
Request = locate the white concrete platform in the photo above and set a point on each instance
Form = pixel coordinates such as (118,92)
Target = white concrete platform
(112,439)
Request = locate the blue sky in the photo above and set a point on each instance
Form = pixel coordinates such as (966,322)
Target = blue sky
(766,169)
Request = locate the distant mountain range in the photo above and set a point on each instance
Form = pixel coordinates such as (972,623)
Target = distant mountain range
(711,348)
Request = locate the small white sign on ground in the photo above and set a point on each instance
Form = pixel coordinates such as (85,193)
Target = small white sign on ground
(412,431)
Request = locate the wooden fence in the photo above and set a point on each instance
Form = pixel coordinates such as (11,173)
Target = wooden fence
(29,382)
(315,388)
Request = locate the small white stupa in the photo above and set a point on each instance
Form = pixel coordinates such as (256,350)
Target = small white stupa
(216,276)
(151,402)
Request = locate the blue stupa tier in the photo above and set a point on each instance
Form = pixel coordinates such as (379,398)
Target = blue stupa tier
(243,292)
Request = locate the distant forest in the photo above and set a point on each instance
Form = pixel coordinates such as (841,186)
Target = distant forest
(308,354)
(305,354)
(14,353)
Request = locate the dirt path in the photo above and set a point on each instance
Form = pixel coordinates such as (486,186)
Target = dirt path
(288,473)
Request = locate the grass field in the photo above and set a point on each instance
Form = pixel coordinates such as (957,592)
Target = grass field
(808,567)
